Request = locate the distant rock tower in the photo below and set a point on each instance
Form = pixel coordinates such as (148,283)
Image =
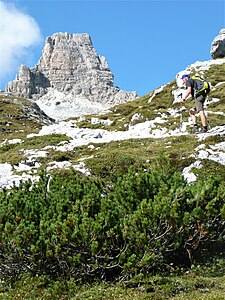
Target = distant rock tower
(69,63)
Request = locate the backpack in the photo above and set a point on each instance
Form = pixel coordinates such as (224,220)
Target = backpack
(202,86)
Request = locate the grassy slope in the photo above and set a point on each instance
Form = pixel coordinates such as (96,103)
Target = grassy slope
(119,155)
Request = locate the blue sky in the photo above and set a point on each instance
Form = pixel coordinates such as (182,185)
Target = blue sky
(146,43)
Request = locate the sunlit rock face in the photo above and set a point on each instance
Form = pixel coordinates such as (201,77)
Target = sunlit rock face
(218,46)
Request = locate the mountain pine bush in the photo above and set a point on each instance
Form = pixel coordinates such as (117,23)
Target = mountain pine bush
(147,222)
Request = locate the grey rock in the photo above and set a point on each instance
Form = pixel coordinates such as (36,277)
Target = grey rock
(218,46)
(70,64)
(28,82)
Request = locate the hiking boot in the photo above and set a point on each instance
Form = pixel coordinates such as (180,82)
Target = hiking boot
(194,129)
(204,129)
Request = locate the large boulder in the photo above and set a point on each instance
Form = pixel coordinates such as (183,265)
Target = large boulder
(218,45)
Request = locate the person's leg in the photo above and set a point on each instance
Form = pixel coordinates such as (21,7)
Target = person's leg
(199,104)
(203,118)
(192,115)
(194,120)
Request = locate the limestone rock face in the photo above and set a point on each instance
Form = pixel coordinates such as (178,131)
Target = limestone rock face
(218,45)
(70,60)
(70,64)
(28,82)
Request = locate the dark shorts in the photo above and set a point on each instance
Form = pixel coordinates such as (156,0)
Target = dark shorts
(199,102)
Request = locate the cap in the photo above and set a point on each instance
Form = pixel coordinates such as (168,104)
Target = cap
(185,75)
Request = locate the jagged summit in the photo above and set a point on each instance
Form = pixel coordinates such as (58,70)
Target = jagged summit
(70,61)
(70,65)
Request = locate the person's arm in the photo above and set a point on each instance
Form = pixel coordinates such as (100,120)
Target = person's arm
(188,92)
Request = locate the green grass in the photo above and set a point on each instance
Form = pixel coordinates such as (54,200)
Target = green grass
(197,284)
(15,121)
(12,153)
(113,159)
(215,74)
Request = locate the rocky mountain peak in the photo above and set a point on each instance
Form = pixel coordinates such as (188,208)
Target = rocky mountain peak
(70,60)
(71,66)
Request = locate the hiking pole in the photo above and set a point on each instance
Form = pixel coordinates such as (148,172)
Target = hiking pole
(181,118)
(208,123)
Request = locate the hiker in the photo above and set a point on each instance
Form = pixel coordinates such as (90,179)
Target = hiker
(198,93)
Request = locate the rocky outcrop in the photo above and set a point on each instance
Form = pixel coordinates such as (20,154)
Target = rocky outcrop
(22,109)
(69,64)
(28,82)
(218,46)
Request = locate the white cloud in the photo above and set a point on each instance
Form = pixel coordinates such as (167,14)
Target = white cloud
(18,31)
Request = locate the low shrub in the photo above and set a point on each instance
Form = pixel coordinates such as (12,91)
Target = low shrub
(149,221)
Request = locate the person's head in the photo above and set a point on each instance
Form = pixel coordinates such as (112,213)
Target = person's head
(185,77)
